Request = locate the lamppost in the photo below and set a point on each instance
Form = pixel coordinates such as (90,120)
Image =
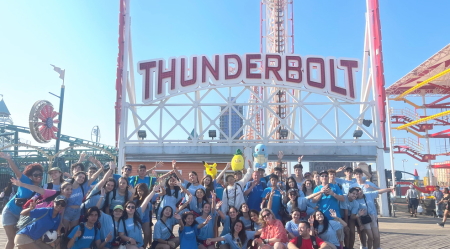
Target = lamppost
(61,72)
(404,160)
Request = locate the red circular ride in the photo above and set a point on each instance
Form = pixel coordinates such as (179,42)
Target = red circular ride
(42,121)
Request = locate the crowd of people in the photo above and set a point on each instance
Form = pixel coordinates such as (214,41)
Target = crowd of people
(241,210)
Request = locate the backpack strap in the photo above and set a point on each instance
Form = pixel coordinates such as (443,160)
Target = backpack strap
(124,227)
(314,242)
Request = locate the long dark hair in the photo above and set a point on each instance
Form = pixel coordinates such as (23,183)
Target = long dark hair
(242,235)
(136,217)
(287,183)
(240,213)
(295,203)
(203,200)
(79,173)
(184,217)
(176,188)
(210,187)
(136,197)
(106,203)
(313,185)
(162,212)
(325,222)
(252,226)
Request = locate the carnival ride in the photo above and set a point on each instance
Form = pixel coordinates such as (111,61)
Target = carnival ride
(431,82)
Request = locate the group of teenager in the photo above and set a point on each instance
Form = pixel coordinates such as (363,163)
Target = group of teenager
(238,211)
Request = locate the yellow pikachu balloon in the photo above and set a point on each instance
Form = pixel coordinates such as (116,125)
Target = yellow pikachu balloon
(211,169)
(237,163)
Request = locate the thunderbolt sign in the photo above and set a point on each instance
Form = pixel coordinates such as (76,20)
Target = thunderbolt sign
(178,75)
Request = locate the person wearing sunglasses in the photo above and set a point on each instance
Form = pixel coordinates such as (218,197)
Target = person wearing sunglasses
(273,233)
(45,219)
(11,213)
(130,229)
(329,197)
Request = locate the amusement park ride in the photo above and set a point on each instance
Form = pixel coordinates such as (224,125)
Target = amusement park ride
(429,120)
(292,103)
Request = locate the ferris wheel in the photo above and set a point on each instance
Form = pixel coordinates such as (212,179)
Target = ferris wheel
(42,121)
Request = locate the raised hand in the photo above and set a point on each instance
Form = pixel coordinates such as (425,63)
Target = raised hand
(177,216)
(112,165)
(159,164)
(333,213)
(213,195)
(250,164)
(157,188)
(207,219)
(228,165)
(174,163)
(311,219)
(16,182)
(131,189)
(82,156)
(218,204)
(299,159)
(102,191)
(5,156)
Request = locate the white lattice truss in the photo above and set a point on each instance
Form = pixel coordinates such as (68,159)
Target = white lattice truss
(327,121)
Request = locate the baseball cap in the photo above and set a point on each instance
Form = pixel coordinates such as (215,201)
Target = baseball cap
(306,174)
(323,172)
(118,207)
(54,169)
(60,198)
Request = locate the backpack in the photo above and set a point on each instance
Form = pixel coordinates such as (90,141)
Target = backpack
(82,229)
(235,191)
(313,242)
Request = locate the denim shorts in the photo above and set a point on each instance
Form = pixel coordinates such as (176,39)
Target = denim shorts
(72,214)
(9,218)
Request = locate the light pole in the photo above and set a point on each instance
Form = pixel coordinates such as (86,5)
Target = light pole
(62,73)
(403,174)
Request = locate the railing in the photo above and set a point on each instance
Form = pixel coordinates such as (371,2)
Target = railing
(410,142)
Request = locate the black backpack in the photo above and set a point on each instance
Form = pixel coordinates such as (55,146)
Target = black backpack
(82,229)
(313,242)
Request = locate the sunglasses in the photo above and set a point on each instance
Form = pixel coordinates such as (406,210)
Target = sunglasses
(131,207)
(38,175)
(127,169)
(266,215)
(61,203)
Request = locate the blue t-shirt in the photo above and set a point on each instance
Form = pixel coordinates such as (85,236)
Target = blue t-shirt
(117,199)
(196,205)
(207,231)
(328,202)
(78,194)
(370,199)
(117,176)
(161,231)
(135,180)
(276,201)
(108,226)
(192,188)
(330,235)
(36,229)
(351,206)
(188,237)
(302,204)
(21,193)
(55,187)
(86,239)
(291,227)
(169,200)
(134,231)
(93,198)
(237,243)
(218,188)
(247,223)
(254,198)
(226,225)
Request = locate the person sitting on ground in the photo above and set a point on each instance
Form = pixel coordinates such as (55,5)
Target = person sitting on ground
(273,233)
(85,239)
(327,229)
(45,219)
(306,241)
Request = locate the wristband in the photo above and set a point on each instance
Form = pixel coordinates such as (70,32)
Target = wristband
(266,241)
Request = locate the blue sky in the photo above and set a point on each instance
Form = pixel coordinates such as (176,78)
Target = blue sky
(81,37)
